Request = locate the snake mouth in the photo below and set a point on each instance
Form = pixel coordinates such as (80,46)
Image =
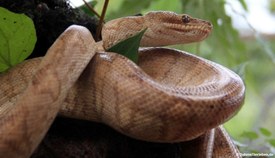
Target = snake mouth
(187,33)
(196,29)
(190,25)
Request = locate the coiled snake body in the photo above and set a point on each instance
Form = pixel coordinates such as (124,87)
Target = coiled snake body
(171,96)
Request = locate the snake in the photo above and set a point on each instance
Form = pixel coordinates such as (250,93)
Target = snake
(167,96)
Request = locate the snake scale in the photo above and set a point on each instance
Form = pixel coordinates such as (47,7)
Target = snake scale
(171,96)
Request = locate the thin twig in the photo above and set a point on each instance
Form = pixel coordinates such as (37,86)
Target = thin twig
(91,8)
(101,20)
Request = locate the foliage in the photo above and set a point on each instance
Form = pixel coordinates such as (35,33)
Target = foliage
(128,47)
(272,6)
(17,38)
(260,141)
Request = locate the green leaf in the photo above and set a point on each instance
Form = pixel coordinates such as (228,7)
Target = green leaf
(272,6)
(265,132)
(128,47)
(243,4)
(250,135)
(272,142)
(17,38)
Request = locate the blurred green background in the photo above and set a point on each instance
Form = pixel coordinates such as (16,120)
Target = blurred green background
(251,56)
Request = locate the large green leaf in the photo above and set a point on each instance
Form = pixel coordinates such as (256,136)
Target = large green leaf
(128,47)
(265,132)
(272,142)
(17,38)
(250,135)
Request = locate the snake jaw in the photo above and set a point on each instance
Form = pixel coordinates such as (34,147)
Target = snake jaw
(167,28)
(190,29)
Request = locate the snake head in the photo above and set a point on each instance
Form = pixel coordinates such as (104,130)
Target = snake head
(169,28)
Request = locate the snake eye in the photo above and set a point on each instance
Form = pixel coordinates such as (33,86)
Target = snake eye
(185,19)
